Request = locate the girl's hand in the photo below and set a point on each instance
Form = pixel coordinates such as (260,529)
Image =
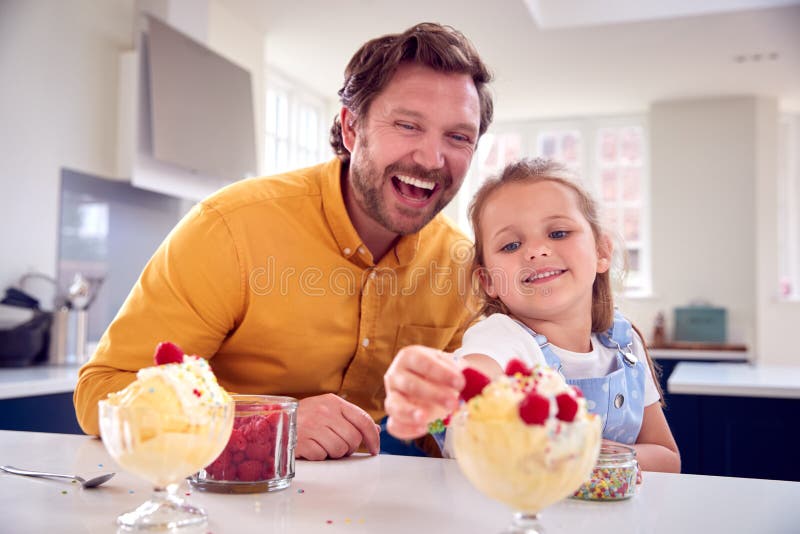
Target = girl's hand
(422,384)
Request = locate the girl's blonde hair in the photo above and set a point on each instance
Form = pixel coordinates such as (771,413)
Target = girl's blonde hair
(533,171)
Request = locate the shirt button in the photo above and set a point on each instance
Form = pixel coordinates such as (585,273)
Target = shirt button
(362,250)
(343,395)
(372,275)
(619,400)
(365,342)
(346,251)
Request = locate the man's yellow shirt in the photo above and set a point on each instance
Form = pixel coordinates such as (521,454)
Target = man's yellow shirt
(269,280)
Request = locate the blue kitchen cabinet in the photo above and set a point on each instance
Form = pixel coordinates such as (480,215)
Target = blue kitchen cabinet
(40,413)
(739,436)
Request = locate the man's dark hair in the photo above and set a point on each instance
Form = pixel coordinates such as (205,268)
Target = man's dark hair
(439,47)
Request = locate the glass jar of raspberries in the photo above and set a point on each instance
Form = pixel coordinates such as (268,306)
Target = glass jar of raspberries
(259,455)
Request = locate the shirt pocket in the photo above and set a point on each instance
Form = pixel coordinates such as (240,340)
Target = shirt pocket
(431,336)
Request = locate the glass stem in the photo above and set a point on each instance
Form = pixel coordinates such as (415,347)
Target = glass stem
(526,523)
(168,493)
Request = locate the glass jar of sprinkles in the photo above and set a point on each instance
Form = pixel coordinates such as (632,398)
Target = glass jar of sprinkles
(613,477)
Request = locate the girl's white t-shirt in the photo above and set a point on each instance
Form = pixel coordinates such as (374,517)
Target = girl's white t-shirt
(503,339)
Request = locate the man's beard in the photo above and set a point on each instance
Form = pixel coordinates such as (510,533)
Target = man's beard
(368,184)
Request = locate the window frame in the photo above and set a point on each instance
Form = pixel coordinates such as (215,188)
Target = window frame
(787,217)
(298,99)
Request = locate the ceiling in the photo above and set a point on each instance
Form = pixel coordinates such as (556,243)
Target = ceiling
(579,61)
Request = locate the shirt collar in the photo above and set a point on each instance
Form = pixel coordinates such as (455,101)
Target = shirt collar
(347,239)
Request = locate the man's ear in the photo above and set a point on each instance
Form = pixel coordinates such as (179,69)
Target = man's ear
(605,250)
(348,122)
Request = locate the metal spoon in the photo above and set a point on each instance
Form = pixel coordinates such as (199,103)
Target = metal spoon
(91,483)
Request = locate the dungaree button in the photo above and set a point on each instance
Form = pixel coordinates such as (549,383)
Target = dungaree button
(619,400)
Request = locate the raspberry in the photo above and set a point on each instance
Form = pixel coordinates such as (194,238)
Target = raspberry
(249,471)
(167,352)
(257,451)
(534,409)
(265,428)
(238,441)
(515,366)
(474,383)
(567,407)
(237,457)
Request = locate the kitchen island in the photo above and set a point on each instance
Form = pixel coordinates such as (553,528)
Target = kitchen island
(386,494)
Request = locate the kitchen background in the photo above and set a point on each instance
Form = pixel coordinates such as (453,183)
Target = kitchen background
(707,88)
(684,117)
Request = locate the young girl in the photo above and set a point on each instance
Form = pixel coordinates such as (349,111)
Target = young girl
(542,261)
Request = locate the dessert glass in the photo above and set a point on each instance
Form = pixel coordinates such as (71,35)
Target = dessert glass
(520,466)
(163,447)
(259,456)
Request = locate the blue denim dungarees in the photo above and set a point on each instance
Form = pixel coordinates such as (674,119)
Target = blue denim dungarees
(617,397)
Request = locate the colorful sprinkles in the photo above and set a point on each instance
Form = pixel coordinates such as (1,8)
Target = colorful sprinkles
(609,484)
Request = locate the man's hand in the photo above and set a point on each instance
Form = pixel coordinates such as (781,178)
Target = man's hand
(330,427)
(422,385)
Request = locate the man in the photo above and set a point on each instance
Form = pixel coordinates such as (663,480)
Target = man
(307,284)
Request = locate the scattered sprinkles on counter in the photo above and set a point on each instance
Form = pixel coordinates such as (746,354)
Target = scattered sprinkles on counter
(301,490)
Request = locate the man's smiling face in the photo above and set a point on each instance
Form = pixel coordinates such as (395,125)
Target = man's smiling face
(411,151)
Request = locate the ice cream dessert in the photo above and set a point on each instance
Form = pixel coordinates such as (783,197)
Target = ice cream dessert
(526,438)
(171,421)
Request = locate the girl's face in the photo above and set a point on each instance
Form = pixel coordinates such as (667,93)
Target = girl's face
(540,254)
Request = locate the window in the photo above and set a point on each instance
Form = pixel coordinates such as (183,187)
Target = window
(608,154)
(494,152)
(789,208)
(619,184)
(295,126)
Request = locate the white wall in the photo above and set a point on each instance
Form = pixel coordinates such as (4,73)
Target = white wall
(58,66)
(713,221)
(777,320)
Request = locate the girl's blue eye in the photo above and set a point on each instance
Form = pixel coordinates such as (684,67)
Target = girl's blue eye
(559,234)
(405,126)
(511,247)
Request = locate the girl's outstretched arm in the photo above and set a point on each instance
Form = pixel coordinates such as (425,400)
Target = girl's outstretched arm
(656,449)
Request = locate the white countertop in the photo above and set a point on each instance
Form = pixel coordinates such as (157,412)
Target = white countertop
(38,380)
(386,494)
(700,355)
(735,379)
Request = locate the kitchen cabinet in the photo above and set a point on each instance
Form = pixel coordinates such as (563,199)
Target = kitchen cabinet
(38,399)
(733,419)
(40,413)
